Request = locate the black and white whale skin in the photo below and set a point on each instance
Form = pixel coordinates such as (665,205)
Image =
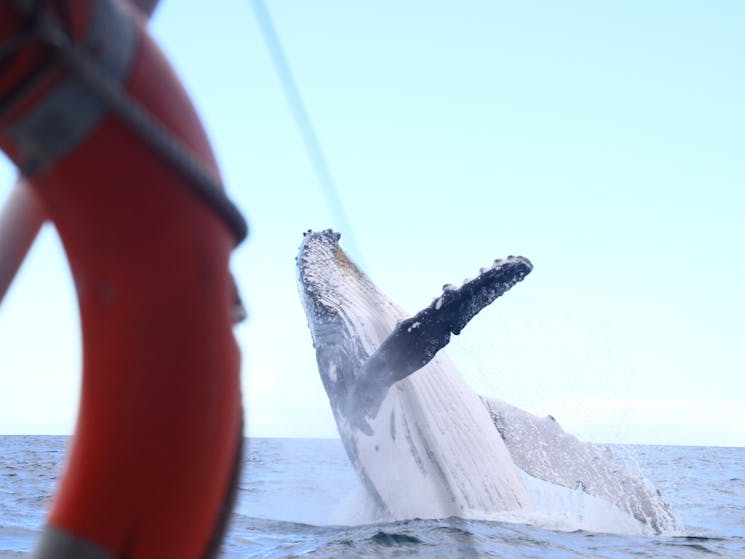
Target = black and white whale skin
(422,442)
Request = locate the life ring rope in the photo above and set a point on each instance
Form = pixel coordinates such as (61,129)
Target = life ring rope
(47,29)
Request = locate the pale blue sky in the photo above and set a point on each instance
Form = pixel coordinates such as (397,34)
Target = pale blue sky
(604,142)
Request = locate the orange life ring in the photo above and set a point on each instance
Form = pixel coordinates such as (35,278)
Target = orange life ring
(157,442)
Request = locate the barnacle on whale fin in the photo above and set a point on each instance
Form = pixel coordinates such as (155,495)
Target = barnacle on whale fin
(416,340)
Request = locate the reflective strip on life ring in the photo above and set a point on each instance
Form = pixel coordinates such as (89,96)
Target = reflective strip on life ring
(157,442)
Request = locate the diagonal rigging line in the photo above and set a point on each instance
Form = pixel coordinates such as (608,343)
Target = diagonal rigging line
(312,144)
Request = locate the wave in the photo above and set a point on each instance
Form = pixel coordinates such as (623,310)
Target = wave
(457,537)
(556,508)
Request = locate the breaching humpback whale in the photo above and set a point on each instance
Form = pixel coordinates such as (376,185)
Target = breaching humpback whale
(422,442)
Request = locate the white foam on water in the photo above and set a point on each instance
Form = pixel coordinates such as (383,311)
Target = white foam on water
(556,508)
(562,509)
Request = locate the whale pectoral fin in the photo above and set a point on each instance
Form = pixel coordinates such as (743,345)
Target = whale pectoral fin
(416,340)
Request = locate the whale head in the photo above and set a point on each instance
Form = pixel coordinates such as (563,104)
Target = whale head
(347,316)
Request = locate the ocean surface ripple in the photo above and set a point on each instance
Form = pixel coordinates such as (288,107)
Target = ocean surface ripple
(295,495)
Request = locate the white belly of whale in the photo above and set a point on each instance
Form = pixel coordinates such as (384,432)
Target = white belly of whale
(434,451)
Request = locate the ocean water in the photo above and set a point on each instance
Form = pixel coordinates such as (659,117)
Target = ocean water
(295,494)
